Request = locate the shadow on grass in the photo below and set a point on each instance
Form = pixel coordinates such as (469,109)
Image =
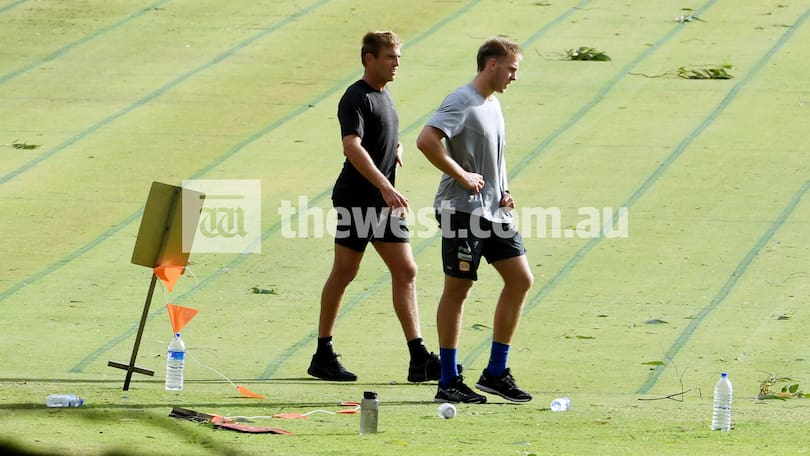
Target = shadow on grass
(198,433)
(237,402)
(9,448)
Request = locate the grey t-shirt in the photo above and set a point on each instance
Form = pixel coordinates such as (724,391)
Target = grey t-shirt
(475,138)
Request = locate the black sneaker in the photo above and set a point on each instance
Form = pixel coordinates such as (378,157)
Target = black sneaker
(504,387)
(459,392)
(327,367)
(428,369)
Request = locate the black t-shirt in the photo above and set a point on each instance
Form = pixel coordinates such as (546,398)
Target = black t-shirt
(369,114)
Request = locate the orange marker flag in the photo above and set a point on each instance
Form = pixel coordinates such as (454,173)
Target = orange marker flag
(169,275)
(180,315)
(246,392)
(291,416)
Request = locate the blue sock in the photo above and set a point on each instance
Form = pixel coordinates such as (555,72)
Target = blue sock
(497,360)
(447,359)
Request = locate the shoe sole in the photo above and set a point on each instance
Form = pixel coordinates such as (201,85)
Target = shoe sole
(448,401)
(498,393)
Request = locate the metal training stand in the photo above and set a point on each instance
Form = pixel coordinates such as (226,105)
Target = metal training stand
(160,244)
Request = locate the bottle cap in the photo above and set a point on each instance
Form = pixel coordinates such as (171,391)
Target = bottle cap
(369,395)
(724,374)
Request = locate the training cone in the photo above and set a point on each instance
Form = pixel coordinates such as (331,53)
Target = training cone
(179,316)
(169,275)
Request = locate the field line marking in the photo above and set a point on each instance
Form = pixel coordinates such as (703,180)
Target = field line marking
(11,5)
(683,338)
(158,92)
(60,52)
(721,295)
(55,266)
(134,217)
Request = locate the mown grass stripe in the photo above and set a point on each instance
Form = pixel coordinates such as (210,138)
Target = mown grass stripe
(422,120)
(690,329)
(135,216)
(721,295)
(159,92)
(11,5)
(62,51)
(53,267)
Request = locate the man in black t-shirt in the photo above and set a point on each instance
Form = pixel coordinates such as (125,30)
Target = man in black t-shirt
(371,209)
(367,114)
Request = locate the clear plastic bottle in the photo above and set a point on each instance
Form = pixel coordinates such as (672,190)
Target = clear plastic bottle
(723,392)
(561,404)
(175,361)
(369,412)
(63,400)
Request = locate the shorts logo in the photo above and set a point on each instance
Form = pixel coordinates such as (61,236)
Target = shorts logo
(463,266)
(464,253)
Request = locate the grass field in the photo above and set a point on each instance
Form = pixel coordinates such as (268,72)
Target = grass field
(103,98)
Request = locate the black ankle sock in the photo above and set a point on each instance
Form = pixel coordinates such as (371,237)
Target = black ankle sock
(417,349)
(324,346)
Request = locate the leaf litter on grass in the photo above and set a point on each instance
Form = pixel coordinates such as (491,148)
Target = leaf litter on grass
(788,391)
(22,145)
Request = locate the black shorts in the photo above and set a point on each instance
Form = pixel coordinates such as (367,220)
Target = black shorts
(357,226)
(466,238)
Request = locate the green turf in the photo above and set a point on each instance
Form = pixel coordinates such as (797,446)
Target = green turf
(712,172)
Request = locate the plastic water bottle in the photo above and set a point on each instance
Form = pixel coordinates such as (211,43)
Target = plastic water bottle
(561,404)
(63,400)
(175,361)
(723,392)
(369,411)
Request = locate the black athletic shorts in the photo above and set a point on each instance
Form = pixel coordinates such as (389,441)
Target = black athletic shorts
(466,238)
(357,226)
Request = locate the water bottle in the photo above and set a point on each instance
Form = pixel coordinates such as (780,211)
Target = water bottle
(175,360)
(721,418)
(63,400)
(369,410)
(561,404)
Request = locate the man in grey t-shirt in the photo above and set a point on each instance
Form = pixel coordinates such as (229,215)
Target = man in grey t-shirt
(475,129)
(472,205)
